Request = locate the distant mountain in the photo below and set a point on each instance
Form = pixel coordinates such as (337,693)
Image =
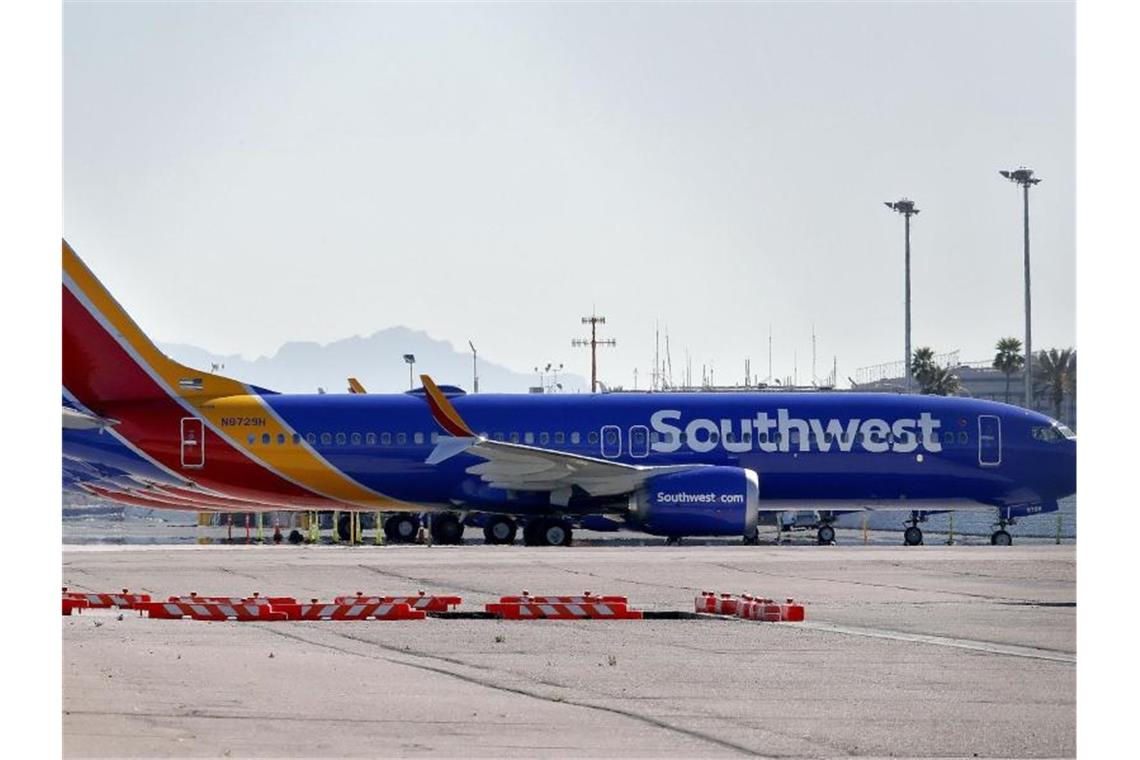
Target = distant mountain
(376,360)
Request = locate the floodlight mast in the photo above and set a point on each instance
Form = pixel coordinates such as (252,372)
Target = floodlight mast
(1025,178)
(907,209)
(410,359)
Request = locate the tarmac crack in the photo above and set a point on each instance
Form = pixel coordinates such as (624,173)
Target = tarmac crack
(988,647)
(987,597)
(647,719)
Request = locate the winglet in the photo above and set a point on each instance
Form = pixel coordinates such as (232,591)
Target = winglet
(443,412)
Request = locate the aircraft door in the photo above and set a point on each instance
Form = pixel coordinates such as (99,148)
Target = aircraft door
(611,441)
(639,441)
(989,440)
(193,442)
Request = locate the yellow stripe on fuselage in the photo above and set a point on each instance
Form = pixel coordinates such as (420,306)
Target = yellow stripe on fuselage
(248,415)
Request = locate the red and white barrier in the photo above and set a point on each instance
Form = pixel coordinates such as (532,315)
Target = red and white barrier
(216,611)
(749,607)
(547,611)
(125,600)
(255,599)
(74,604)
(421,601)
(586,598)
(365,611)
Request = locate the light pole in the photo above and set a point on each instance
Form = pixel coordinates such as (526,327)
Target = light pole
(907,209)
(474,368)
(1025,178)
(411,361)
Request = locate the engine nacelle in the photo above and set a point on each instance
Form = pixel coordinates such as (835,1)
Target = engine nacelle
(710,501)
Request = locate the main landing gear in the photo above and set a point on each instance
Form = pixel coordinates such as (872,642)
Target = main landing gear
(547,531)
(446,528)
(825,535)
(401,528)
(500,530)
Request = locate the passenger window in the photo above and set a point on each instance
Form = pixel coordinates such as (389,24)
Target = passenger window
(401,439)
(252,439)
(356,439)
(311,438)
(435,437)
(560,437)
(654,437)
(544,438)
(418,438)
(747,436)
(963,437)
(575,437)
(714,437)
(385,439)
(326,438)
(528,437)
(498,436)
(370,439)
(280,438)
(296,439)
(729,438)
(514,437)
(948,437)
(341,439)
(683,438)
(592,438)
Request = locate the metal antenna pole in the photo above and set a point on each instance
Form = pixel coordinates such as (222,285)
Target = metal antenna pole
(593,321)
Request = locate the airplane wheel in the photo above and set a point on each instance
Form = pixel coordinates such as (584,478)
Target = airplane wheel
(401,528)
(446,529)
(826,535)
(1001,538)
(556,533)
(500,530)
(912,536)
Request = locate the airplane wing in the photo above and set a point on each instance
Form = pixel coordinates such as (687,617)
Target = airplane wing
(521,467)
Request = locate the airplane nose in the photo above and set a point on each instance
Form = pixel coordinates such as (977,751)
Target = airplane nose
(1067,470)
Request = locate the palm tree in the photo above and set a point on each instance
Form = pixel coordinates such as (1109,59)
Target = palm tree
(922,364)
(940,381)
(1057,372)
(932,379)
(1008,360)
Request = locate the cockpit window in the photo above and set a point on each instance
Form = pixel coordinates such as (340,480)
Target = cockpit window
(1065,431)
(1047,433)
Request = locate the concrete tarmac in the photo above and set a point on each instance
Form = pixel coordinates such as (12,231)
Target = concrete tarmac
(936,651)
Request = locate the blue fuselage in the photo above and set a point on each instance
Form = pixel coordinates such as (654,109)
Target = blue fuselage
(825,450)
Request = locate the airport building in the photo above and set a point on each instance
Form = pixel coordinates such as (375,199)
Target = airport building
(979,380)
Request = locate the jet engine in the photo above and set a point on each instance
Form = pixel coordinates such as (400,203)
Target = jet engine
(710,501)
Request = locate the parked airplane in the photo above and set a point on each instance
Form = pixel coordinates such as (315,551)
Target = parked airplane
(142,429)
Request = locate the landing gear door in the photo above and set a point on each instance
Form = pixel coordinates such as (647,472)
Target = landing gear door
(193,443)
(989,440)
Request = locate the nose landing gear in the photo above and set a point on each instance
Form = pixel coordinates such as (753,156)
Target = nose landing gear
(912,536)
(1001,537)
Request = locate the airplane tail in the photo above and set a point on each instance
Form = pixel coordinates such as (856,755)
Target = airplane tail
(108,359)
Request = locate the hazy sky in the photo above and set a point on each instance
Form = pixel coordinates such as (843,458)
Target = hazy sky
(242,175)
